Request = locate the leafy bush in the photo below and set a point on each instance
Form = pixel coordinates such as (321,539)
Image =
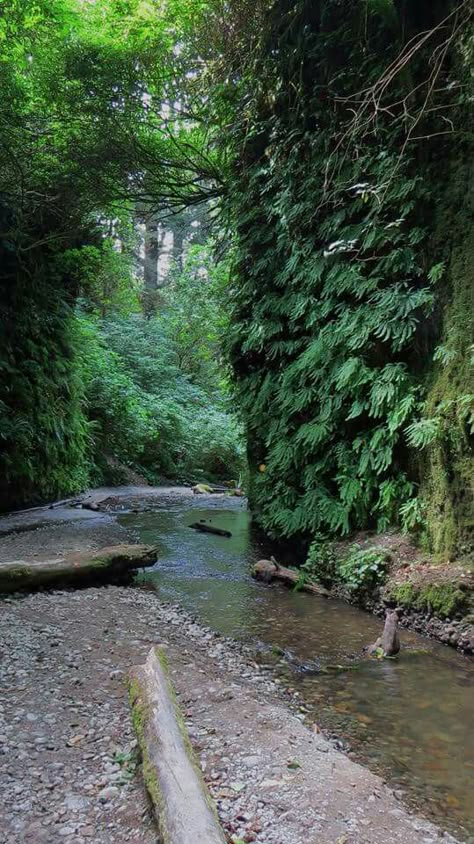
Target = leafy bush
(321,562)
(363,568)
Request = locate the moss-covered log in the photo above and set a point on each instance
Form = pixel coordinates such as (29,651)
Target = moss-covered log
(75,569)
(183,806)
(266,570)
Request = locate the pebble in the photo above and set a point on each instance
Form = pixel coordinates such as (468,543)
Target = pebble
(64,831)
(108,793)
(258,803)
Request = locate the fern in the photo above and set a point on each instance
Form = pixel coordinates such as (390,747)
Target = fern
(336,280)
(422,433)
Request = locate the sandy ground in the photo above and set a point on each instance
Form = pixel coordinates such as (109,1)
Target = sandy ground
(69,769)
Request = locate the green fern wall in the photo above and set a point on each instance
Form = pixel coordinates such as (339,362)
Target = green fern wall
(347,286)
(43,431)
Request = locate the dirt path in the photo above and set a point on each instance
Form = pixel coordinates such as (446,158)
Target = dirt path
(68,766)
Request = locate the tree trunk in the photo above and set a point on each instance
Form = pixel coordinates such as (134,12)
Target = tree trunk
(183,806)
(205,528)
(150,267)
(79,568)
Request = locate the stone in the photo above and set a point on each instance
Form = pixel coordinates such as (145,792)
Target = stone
(108,793)
(116,675)
(76,803)
(251,761)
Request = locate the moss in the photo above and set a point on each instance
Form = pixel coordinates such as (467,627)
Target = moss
(163,660)
(443,600)
(447,469)
(404,595)
(140,715)
(16,573)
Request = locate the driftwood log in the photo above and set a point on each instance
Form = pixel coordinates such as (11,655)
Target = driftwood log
(389,642)
(183,806)
(204,527)
(76,568)
(268,570)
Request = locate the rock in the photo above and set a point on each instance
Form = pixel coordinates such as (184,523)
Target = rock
(251,761)
(76,803)
(117,674)
(65,831)
(109,793)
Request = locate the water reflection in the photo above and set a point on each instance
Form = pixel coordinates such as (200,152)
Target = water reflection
(409,718)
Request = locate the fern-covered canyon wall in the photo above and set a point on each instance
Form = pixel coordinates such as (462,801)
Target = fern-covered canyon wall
(43,427)
(352,333)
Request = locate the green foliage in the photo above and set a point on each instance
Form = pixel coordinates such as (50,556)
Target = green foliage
(364,568)
(82,137)
(337,285)
(361,570)
(423,432)
(145,411)
(412,514)
(321,562)
(44,434)
(196,319)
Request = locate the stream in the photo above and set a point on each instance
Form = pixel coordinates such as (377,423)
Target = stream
(409,719)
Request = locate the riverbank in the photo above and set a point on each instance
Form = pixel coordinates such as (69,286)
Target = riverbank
(68,765)
(96,633)
(435,600)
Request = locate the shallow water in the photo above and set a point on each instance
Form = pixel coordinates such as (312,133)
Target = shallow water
(409,719)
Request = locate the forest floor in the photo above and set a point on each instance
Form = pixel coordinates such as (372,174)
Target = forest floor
(68,762)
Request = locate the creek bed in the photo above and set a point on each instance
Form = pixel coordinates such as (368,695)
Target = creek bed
(409,719)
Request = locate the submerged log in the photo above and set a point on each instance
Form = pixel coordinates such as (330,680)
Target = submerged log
(204,527)
(268,570)
(183,806)
(388,644)
(76,568)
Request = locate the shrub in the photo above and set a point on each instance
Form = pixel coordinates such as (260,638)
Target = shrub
(321,562)
(364,568)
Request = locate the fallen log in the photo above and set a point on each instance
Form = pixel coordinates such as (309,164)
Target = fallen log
(268,570)
(204,527)
(77,568)
(182,804)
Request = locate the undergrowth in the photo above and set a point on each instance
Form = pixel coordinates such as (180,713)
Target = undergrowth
(360,570)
